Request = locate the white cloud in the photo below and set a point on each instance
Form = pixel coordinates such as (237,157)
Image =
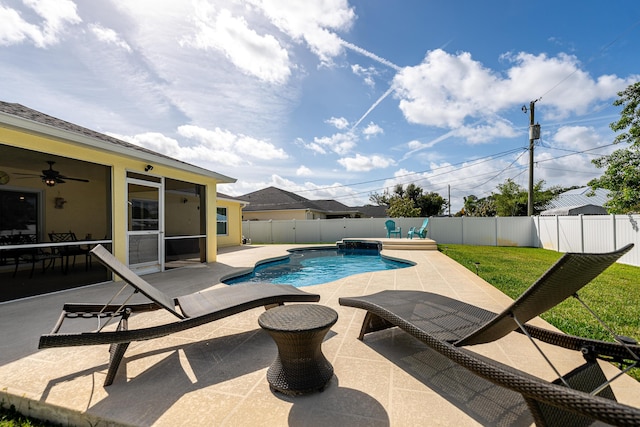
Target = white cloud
(57,15)
(217,147)
(314,22)
(490,131)
(154,141)
(366,73)
(415,144)
(565,159)
(577,138)
(303,171)
(447,90)
(361,163)
(219,140)
(339,143)
(109,36)
(372,129)
(339,122)
(258,55)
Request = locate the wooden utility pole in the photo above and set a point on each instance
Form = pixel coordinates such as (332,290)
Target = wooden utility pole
(534,133)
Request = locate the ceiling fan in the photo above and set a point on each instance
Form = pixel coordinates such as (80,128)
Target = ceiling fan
(52,177)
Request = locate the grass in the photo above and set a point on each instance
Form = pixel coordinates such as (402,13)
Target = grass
(10,417)
(614,295)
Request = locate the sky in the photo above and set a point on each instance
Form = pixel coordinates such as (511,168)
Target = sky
(335,99)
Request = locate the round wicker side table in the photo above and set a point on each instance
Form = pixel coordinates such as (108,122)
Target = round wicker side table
(298,331)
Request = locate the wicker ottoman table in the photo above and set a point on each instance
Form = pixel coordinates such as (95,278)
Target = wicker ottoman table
(298,331)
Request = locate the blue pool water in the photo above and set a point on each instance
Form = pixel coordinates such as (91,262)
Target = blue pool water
(315,266)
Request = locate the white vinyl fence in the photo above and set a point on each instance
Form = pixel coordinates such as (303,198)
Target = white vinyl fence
(583,233)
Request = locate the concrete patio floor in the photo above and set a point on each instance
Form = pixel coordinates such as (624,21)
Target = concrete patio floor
(215,374)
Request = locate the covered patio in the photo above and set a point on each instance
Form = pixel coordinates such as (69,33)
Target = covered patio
(216,374)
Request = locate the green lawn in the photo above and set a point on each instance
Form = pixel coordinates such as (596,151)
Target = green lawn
(9,417)
(614,295)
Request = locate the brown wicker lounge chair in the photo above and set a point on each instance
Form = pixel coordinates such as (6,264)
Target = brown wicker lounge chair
(447,325)
(191,310)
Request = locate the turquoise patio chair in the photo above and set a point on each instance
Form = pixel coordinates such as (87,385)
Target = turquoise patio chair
(411,232)
(421,232)
(392,230)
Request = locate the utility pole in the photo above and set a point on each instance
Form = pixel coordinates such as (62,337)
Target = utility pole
(534,133)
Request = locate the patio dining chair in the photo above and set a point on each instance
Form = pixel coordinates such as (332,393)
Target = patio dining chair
(69,251)
(27,255)
(450,326)
(391,228)
(191,310)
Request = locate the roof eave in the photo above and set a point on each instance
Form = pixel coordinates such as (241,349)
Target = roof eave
(52,131)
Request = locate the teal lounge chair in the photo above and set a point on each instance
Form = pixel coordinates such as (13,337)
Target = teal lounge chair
(391,229)
(421,232)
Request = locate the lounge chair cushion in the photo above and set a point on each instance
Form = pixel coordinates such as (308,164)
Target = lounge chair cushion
(236,297)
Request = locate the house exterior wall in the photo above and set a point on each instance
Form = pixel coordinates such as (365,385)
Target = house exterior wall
(119,164)
(285,214)
(234,223)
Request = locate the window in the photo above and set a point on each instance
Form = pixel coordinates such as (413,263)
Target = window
(222,221)
(18,213)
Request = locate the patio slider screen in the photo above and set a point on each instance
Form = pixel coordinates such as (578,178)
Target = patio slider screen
(185,223)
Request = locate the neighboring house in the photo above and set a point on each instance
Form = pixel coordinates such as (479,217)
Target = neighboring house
(147,208)
(275,204)
(580,201)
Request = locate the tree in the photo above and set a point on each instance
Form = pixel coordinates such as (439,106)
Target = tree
(622,167)
(512,200)
(622,179)
(380,199)
(473,206)
(402,207)
(424,205)
(431,204)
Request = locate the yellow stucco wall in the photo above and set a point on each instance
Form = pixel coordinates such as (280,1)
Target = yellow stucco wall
(119,164)
(234,223)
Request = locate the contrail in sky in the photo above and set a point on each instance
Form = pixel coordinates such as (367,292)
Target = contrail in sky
(370,55)
(375,104)
(375,58)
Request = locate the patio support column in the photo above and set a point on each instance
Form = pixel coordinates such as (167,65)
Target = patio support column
(212,223)
(119,208)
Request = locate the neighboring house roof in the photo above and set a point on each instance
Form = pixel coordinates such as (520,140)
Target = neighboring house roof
(222,196)
(371,211)
(580,197)
(272,198)
(26,118)
(575,210)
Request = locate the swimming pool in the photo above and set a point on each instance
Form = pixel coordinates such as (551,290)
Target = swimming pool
(313,266)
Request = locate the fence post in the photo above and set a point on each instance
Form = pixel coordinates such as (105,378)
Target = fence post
(615,243)
(581,233)
(462,228)
(557,233)
(295,236)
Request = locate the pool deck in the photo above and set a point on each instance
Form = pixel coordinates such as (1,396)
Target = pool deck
(215,374)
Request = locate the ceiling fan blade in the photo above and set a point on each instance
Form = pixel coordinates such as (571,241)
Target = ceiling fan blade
(73,179)
(35,175)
